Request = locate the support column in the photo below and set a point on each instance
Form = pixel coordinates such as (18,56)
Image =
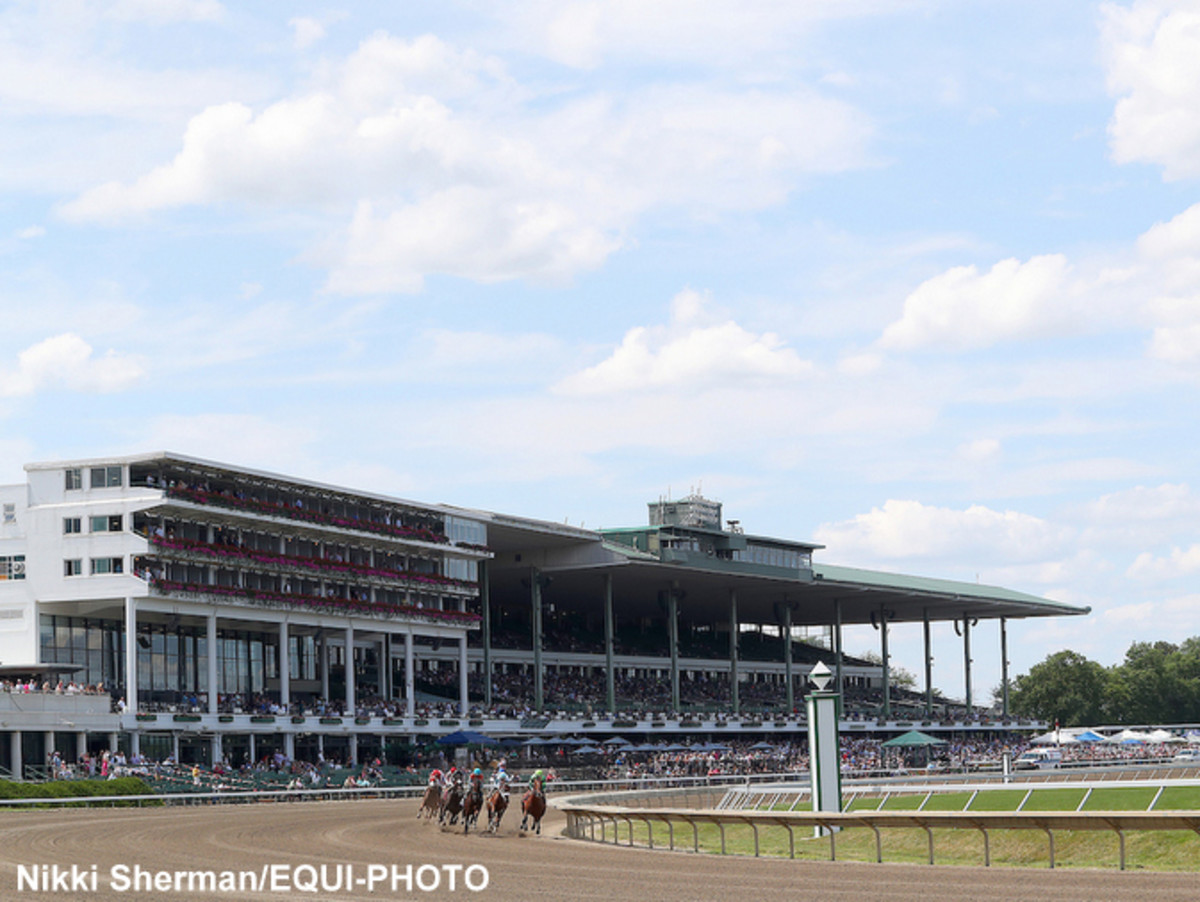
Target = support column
(967,660)
(887,670)
(324,667)
(285,669)
(218,749)
(213,681)
(175,748)
(131,656)
(80,744)
(535,596)
(350,705)
(734,690)
(928,665)
(410,692)
(787,656)
(839,685)
(1004,666)
(253,751)
(14,755)
(610,678)
(463,684)
(673,632)
(385,667)
(485,624)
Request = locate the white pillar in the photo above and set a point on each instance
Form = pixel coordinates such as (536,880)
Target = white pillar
(218,751)
(462,675)
(253,751)
(131,655)
(324,667)
(14,755)
(410,696)
(212,664)
(175,747)
(80,744)
(350,669)
(285,666)
(385,671)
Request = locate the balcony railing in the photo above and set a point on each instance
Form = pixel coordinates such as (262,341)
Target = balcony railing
(304,514)
(315,603)
(318,565)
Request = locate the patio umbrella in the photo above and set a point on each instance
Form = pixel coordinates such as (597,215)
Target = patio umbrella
(466,737)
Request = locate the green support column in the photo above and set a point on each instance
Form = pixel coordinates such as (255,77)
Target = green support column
(535,594)
(1004,666)
(610,678)
(787,656)
(967,660)
(928,666)
(839,686)
(887,675)
(485,624)
(733,652)
(673,634)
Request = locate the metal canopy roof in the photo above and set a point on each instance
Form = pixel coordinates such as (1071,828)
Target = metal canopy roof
(576,564)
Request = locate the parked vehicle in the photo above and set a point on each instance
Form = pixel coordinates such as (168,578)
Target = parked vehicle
(1187,756)
(1039,759)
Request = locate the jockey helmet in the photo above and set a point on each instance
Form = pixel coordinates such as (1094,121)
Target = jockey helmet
(476,773)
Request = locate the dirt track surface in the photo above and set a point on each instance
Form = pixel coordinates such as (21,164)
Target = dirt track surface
(247,837)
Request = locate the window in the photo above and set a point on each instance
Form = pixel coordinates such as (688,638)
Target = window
(74,479)
(101,565)
(72,525)
(106,477)
(72,567)
(106,523)
(10,513)
(12,567)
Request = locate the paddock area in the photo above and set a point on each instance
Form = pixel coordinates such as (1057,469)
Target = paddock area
(365,833)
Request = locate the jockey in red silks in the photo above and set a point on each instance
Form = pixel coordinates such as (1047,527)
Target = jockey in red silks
(437,778)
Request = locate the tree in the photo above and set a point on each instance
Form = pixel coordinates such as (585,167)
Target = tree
(1066,687)
(900,677)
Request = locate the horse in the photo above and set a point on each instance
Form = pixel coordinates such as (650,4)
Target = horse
(533,805)
(452,803)
(471,807)
(497,804)
(431,802)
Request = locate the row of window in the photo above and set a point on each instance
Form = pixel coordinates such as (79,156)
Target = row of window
(12,566)
(98,565)
(99,478)
(101,523)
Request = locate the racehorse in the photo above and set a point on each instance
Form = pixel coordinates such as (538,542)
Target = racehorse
(431,802)
(533,805)
(497,804)
(452,803)
(471,808)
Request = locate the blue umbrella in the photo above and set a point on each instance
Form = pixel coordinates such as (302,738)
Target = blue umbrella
(466,737)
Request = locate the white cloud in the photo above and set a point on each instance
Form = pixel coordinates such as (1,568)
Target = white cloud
(306,31)
(585,33)
(421,158)
(251,441)
(30,232)
(162,11)
(962,309)
(1180,562)
(909,529)
(980,450)
(66,361)
(1153,59)
(692,352)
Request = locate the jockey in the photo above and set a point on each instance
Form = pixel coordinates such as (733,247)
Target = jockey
(437,778)
(501,779)
(455,776)
(537,782)
(477,780)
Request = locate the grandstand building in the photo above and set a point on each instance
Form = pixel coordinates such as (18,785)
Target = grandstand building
(175,606)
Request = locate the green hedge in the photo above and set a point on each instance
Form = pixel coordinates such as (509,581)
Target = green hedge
(71,789)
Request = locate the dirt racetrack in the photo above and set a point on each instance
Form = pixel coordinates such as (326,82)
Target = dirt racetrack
(248,837)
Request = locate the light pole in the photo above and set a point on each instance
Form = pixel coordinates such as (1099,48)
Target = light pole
(824,754)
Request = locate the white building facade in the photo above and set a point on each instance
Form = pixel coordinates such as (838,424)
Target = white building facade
(201,603)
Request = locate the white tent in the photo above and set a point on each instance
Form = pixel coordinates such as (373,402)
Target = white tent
(1056,737)
(1127,736)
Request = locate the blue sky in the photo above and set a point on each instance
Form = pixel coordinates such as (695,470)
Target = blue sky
(919,280)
